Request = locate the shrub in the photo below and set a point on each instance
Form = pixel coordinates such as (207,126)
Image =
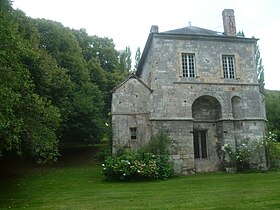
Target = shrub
(148,162)
(253,154)
(103,154)
(132,166)
(159,144)
(273,151)
(137,166)
(247,156)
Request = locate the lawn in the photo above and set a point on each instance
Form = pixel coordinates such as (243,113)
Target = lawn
(79,185)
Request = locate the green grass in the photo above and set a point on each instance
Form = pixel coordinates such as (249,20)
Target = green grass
(81,186)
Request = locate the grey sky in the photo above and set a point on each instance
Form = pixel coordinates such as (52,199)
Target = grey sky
(128,22)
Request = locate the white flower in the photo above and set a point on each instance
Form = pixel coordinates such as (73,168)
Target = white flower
(103,164)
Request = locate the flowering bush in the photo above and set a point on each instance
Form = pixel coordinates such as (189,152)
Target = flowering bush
(253,154)
(273,151)
(137,166)
(149,162)
(244,155)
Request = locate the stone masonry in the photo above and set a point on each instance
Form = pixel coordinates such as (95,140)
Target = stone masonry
(198,86)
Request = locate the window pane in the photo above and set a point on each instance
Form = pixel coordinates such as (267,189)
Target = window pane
(188,65)
(133,133)
(200,144)
(228,66)
(196,145)
(203,145)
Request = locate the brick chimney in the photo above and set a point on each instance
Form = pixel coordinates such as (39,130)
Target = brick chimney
(229,22)
(154,29)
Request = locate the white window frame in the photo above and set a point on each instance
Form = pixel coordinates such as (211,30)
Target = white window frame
(188,65)
(228,64)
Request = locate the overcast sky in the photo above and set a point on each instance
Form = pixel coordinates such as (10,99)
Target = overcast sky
(128,22)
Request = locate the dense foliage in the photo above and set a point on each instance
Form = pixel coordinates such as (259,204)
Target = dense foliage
(137,166)
(272,103)
(55,84)
(148,162)
(253,154)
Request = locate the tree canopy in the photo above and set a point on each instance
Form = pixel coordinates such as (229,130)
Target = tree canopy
(55,84)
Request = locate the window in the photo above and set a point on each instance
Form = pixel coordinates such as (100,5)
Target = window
(133,133)
(188,64)
(200,144)
(228,66)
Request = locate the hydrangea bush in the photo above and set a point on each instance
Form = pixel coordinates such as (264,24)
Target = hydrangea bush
(135,166)
(146,163)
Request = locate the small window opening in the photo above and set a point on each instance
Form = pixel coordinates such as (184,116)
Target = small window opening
(133,133)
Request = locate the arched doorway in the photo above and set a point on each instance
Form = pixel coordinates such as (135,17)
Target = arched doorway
(206,111)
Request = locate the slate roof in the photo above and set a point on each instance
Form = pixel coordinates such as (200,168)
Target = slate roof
(192,30)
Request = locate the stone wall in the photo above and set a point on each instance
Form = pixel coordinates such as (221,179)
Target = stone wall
(131,106)
(229,110)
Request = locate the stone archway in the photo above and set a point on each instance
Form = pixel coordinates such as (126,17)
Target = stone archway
(206,111)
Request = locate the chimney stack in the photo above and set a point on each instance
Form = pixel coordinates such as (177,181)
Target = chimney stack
(154,29)
(229,22)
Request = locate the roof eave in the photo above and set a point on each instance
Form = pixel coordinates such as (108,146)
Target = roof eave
(144,55)
(128,78)
(209,37)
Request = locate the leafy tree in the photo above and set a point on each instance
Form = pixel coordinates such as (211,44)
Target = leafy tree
(102,49)
(27,121)
(125,59)
(137,58)
(272,101)
(260,68)
(107,66)
(83,118)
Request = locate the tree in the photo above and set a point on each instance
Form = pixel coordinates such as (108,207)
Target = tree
(125,59)
(28,122)
(137,58)
(107,67)
(272,105)
(241,34)
(260,68)
(81,101)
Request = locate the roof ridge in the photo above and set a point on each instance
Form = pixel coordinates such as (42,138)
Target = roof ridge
(128,78)
(194,30)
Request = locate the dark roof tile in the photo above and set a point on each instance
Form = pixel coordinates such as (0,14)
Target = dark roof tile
(192,30)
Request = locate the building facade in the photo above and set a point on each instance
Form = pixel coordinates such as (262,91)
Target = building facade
(198,86)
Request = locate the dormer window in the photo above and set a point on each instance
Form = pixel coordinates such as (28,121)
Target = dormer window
(228,66)
(188,64)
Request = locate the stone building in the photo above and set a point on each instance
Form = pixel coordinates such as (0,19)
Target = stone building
(200,87)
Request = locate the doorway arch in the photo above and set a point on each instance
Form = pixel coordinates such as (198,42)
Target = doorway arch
(206,112)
